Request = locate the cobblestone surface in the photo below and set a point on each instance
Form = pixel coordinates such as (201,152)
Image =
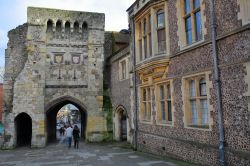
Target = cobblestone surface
(87,155)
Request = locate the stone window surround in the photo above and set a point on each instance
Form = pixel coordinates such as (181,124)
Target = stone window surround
(158,114)
(141,119)
(244,12)
(182,43)
(152,11)
(185,99)
(126,60)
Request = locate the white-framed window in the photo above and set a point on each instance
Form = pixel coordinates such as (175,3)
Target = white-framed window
(196,108)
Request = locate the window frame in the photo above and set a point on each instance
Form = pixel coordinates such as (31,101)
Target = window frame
(192,15)
(159,29)
(146,113)
(123,69)
(145,39)
(166,100)
(187,99)
(243,13)
(150,13)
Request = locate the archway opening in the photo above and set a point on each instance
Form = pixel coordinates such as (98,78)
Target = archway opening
(63,113)
(68,115)
(120,125)
(23,126)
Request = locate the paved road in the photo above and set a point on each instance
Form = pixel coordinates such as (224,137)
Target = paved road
(86,155)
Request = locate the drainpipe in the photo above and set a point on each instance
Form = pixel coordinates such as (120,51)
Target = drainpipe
(135,90)
(217,87)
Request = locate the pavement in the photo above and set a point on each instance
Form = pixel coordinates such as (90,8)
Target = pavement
(88,154)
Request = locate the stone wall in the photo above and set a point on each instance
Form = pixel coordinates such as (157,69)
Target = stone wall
(198,145)
(119,90)
(58,65)
(15,58)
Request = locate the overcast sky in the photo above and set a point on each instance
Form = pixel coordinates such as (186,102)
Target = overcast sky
(13,13)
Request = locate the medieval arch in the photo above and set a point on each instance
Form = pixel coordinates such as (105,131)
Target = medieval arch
(120,124)
(52,109)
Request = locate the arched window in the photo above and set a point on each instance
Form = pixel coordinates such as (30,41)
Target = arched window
(58,26)
(196,104)
(67,27)
(160,19)
(203,90)
(76,27)
(49,26)
(84,26)
(85,30)
(192,90)
(161,35)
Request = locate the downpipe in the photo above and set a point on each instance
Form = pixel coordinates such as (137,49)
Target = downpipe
(135,91)
(217,87)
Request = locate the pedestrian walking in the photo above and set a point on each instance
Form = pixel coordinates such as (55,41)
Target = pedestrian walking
(61,131)
(76,136)
(69,132)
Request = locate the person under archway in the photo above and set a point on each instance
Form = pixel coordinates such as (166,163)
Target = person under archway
(76,136)
(69,132)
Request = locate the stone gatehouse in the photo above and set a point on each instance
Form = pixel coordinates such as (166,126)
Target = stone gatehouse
(56,58)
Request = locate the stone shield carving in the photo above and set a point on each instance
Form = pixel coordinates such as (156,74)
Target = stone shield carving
(76,59)
(58,58)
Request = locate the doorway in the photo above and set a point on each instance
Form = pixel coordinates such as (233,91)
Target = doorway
(120,124)
(123,127)
(23,126)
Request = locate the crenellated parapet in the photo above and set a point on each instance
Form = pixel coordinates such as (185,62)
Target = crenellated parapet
(41,16)
(66,25)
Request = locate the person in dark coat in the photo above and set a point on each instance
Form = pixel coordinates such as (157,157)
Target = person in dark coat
(76,136)
(61,131)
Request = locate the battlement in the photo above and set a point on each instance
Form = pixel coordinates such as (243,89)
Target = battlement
(41,16)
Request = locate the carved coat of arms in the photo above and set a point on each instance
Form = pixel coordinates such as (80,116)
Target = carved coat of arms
(76,59)
(58,58)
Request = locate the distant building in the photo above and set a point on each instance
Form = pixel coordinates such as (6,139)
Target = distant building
(119,79)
